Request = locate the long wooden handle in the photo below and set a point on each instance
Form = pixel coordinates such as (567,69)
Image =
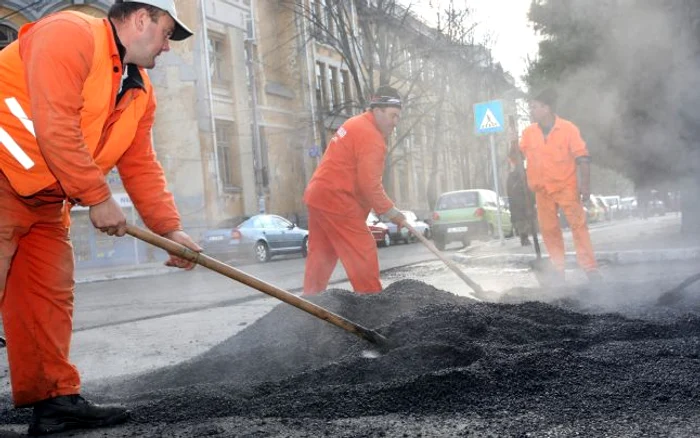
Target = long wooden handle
(256,283)
(450,264)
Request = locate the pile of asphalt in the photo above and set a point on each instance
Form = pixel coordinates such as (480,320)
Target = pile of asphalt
(457,368)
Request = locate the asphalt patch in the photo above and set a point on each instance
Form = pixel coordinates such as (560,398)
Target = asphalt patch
(458,368)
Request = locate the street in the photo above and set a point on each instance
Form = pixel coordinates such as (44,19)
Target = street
(133,325)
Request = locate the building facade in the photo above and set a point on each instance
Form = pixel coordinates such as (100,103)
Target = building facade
(247,105)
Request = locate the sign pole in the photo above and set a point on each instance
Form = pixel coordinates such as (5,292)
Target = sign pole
(494,162)
(489,120)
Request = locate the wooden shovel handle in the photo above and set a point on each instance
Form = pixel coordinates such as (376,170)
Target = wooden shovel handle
(256,283)
(450,264)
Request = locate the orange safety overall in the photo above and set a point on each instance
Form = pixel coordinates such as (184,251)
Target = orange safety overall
(346,186)
(61,131)
(551,173)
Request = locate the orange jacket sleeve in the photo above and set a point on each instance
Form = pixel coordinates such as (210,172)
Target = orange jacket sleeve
(57,58)
(144,179)
(370,169)
(577,145)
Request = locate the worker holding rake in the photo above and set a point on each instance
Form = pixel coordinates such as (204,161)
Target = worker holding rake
(75,101)
(346,186)
(555,153)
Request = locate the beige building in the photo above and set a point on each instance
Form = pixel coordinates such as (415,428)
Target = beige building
(247,105)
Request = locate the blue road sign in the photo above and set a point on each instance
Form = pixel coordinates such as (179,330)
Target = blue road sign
(488,117)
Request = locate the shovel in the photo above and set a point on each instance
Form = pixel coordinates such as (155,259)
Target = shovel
(545,273)
(450,264)
(260,285)
(676,294)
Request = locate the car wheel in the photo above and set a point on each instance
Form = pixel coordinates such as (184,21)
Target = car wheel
(305,247)
(387,240)
(262,252)
(440,243)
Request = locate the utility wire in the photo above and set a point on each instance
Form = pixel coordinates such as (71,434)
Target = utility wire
(21,9)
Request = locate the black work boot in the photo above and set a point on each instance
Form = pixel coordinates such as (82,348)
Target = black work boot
(73,412)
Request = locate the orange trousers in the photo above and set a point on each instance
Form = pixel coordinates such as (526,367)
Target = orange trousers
(36,297)
(332,237)
(570,202)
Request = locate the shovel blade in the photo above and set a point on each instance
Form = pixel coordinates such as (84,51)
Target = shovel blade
(546,274)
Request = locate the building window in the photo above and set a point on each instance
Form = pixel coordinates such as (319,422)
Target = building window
(330,18)
(218,59)
(319,19)
(321,86)
(225,133)
(7,35)
(345,90)
(334,96)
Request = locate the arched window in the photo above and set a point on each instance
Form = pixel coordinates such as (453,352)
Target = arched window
(7,35)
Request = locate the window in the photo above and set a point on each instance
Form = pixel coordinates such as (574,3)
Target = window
(281,223)
(225,151)
(453,201)
(7,35)
(319,18)
(218,59)
(321,86)
(345,90)
(334,97)
(330,18)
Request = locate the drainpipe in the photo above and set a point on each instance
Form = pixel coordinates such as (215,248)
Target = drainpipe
(310,69)
(257,149)
(210,94)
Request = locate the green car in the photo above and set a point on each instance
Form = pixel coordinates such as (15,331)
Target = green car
(463,215)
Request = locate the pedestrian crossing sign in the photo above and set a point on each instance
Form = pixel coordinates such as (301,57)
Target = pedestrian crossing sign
(488,117)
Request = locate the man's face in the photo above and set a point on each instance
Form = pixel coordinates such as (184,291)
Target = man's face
(153,38)
(538,111)
(387,119)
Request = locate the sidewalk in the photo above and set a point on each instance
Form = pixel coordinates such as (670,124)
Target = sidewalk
(620,242)
(119,272)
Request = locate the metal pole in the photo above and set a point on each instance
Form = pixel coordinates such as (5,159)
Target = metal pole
(494,162)
(210,97)
(257,148)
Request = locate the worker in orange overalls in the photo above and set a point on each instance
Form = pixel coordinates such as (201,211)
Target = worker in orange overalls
(554,151)
(75,101)
(346,186)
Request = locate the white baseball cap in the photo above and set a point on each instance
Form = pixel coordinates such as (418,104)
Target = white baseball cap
(181,31)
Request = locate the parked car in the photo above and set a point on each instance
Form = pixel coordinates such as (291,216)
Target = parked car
(463,215)
(404,235)
(602,209)
(379,230)
(259,237)
(614,202)
(628,206)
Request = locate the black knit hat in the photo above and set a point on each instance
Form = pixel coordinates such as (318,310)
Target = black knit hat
(547,96)
(384,97)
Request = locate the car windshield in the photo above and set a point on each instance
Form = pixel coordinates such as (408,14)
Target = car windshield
(452,201)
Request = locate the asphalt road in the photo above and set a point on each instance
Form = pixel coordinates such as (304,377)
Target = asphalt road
(133,325)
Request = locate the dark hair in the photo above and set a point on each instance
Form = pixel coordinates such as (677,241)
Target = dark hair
(547,96)
(385,96)
(120,10)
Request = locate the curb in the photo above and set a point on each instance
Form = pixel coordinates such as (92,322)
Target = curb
(605,257)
